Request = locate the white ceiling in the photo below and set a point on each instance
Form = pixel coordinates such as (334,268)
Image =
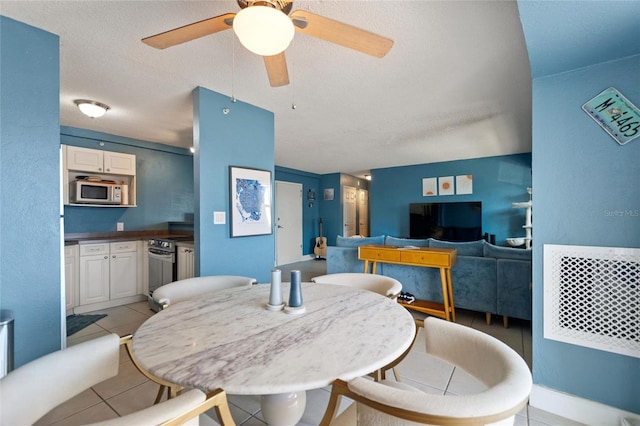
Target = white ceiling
(455,85)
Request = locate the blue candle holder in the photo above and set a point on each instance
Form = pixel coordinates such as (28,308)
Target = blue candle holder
(295,294)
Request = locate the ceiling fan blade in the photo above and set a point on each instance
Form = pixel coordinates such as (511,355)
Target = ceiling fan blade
(277,70)
(339,33)
(190,32)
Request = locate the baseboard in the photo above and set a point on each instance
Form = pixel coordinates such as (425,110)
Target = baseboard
(83,309)
(577,409)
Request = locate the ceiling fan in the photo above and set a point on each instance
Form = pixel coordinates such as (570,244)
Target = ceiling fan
(272,25)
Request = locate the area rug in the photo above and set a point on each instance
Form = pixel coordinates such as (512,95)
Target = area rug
(76,323)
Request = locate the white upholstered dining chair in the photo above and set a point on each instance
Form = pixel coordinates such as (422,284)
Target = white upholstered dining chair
(34,389)
(380,284)
(190,288)
(503,372)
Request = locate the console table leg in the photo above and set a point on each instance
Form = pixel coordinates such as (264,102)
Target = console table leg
(451,301)
(445,294)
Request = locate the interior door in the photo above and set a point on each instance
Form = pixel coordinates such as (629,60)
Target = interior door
(288,200)
(363,212)
(349,211)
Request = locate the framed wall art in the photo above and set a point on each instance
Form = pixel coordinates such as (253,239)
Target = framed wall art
(445,185)
(250,201)
(429,187)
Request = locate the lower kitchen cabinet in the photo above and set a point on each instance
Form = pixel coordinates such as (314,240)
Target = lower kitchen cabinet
(108,271)
(186,261)
(70,276)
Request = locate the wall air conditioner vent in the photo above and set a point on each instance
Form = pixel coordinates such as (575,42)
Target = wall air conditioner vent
(592,297)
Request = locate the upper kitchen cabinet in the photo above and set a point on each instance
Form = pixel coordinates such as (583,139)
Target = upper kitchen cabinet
(97,161)
(103,178)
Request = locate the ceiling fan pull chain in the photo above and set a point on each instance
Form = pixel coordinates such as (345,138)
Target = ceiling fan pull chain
(293,79)
(233,66)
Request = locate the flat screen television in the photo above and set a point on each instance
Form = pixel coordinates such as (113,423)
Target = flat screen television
(461,221)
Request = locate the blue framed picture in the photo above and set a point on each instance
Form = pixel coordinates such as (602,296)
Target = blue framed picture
(250,201)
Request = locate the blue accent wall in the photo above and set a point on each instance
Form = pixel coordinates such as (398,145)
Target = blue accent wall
(164,176)
(581,175)
(243,137)
(30,247)
(310,213)
(331,210)
(497,182)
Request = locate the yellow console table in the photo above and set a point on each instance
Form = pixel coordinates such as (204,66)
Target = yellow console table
(441,258)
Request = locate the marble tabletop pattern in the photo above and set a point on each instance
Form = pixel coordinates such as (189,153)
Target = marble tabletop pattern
(228,339)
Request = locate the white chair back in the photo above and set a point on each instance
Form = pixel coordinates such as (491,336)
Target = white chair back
(190,288)
(380,284)
(34,389)
(504,373)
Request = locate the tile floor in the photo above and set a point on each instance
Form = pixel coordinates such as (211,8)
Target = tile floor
(130,391)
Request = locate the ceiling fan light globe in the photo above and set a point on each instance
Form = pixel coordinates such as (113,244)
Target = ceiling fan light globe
(263,30)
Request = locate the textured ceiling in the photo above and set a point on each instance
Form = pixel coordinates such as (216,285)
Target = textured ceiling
(455,85)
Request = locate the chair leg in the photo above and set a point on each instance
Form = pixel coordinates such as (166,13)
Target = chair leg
(337,389)
(159,396)
(488,317)
(505,321)
(396,374)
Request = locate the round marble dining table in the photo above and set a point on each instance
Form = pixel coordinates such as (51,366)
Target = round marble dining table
(228,339)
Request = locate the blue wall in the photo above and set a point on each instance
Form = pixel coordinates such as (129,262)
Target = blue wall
(243,137)
(164,176)
(581,173)
(497,182)
(30,248)
(331,210)
(310,214)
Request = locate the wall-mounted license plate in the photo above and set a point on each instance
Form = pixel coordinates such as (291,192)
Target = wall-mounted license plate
(615,114)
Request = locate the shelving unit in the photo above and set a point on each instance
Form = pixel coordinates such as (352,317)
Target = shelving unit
(527,221)
(108,165)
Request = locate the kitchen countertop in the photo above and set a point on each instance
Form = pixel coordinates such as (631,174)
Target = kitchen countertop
(111,237)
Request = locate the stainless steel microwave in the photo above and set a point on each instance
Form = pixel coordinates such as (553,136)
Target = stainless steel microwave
(95,192)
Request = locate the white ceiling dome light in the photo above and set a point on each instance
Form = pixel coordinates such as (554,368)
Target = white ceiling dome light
(91,109)
(263,30)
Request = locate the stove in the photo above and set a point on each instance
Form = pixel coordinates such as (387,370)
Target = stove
(162,266)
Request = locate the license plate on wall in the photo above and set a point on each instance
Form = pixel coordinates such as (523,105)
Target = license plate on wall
(615,114)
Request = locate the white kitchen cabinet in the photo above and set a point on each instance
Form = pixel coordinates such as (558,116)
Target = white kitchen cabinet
(108,271)
(97,161)
(94,275)
(71,276)
(123,270)
(106,165)
(186,262)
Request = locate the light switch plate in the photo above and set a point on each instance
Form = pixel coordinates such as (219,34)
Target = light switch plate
(120,226)
(219,218)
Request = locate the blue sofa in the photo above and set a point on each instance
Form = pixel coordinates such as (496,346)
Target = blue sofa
(486,278)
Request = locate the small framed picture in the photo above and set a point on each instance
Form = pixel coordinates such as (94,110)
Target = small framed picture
(464,184)
(445,185)
(250,201)
(328,194)
(429,187)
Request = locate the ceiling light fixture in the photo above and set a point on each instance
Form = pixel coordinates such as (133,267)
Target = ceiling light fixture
(264,30)
(92,109)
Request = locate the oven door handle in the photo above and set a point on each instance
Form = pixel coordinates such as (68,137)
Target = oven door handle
(163,257)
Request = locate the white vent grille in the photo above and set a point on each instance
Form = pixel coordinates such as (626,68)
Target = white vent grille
(592,297)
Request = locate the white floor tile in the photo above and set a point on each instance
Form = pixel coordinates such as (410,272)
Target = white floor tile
(127,378)
(135,399)
(81,402)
